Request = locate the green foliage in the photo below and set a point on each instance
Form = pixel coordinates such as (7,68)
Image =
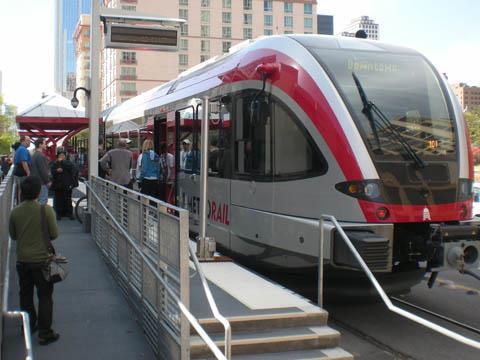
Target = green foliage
(473,121)
(7,119)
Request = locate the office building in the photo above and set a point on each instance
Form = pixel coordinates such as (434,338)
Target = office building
(469,96)
(82,52)
(212,27)
(67,14)
(325,24)
(362,23)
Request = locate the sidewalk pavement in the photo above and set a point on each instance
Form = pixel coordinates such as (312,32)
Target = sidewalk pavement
(89,311)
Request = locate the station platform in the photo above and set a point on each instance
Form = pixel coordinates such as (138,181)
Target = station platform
(95,321)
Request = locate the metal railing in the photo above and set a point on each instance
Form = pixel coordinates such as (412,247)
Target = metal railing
(7,200)
(146,243)
(419,320)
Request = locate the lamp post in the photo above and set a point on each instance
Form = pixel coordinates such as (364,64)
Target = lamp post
(74,100)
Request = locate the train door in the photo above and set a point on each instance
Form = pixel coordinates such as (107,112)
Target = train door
(252,188)
(219,168)
(164,140)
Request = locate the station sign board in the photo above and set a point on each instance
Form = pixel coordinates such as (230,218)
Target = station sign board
(142,37)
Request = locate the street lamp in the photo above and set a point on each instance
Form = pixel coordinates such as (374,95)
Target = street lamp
(74,100)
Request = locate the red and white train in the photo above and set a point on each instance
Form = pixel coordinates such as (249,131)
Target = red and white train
(304,125)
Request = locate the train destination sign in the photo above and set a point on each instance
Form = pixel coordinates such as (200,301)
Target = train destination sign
(140,37)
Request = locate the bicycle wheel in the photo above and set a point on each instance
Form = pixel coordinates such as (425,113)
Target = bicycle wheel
(80,206)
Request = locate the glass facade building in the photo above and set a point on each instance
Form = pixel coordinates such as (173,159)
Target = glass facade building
(67,15)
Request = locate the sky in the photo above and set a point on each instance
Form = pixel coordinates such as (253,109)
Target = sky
(446,31)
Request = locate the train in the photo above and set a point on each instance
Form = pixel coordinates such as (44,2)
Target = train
(305,125)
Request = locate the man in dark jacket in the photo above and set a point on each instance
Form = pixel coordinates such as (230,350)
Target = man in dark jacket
(25,228)
(39,167)
(63,183)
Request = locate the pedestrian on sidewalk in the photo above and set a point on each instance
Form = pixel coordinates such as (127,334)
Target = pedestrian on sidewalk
(63,182)
(117,163)
(149,170)
(41,169)
(26,229)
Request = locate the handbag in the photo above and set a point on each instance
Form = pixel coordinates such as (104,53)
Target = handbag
(55,268)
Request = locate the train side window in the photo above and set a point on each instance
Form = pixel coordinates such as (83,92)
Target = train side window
(219,154)
(252,139)
(296,155)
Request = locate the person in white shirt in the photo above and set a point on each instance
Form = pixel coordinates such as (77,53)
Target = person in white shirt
(184,152)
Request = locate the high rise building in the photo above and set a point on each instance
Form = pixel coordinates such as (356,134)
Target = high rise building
(362,23)
(325,24)
(469,96)
(212,27)
(67,14)
(82,51)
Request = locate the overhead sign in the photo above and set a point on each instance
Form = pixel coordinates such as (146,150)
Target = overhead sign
(141,37)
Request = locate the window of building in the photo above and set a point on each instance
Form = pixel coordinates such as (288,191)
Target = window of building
(205,3)
(288,21)
(204,58)
(288,32)
(247,19)
(307,9)
(184,44)
(247,33)
(227,17)
(183,14)
(184,29)
(128,72)
(227,4)
(288,7)
(268,20)
(205,16)
(308,22)
(267,32)
(205,30)
(226,32)
(183,2)
(247,4)
(129,57)
(205,45)
(128,86)
(226,45)
(182,59)
(129,7)
(267,5)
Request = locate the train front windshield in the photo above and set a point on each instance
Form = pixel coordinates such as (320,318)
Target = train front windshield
(402,101)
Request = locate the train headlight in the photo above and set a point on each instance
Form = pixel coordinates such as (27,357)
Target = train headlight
(372,190)
(365,190)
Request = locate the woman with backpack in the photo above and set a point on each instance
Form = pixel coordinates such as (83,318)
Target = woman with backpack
(149,170)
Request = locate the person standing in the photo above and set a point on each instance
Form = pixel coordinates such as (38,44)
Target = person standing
(184,153)
(25,228)
(117,164)
(149,170)
(41,169)
(63,183)
(22,158)
(167,162)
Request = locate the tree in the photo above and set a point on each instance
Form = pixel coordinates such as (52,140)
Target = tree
(473,121)
(7,119)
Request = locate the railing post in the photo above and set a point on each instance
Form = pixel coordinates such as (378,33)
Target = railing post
(320,263)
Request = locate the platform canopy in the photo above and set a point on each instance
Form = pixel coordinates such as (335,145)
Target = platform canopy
(53,118)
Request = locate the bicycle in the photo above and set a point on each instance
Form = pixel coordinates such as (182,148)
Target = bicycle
(80,205)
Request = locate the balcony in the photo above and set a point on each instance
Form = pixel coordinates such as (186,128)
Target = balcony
(128,61)
(128,77)
(128,92)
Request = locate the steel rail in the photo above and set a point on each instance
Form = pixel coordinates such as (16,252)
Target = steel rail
(213,306)
(27,336)
(191,318)
(440,329)
(440,316)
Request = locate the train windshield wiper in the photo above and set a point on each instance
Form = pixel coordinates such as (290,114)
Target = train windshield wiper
(381,121)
